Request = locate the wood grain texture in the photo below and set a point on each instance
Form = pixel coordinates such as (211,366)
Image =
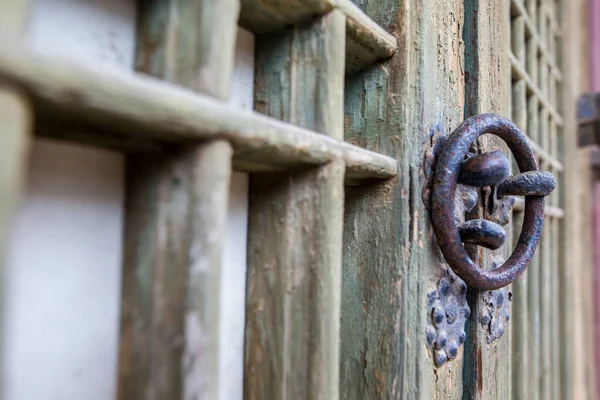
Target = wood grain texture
(136,113)
(169,326)
(391,260)
(176,209)
(487,366)
(295,225)
(189,42)
(366,42)
(573,350)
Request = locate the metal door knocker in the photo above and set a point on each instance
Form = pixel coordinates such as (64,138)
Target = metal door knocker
(453,166)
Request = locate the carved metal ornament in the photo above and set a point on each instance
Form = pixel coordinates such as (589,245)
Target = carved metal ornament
(448,312)
(454,165)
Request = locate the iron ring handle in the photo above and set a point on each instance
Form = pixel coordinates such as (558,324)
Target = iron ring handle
(444,183)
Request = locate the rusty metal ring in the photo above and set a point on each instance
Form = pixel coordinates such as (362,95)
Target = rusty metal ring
(442,202)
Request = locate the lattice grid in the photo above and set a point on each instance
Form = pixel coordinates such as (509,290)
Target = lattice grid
(537,78)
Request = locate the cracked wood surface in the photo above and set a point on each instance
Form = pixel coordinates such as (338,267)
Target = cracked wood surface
(391,260)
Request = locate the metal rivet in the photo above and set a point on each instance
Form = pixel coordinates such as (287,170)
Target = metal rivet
(441,340)
(438,315)
(452,349)
(440,357)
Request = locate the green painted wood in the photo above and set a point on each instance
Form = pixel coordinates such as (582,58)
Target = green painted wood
(546,261)
(533,278)
(135,113)
(189,42)
(520,340)
(487,370)
(176,209)
(16,126)
(571,15)
(517,32)
(391,260)
(295,223)
(366,42)
(555,333)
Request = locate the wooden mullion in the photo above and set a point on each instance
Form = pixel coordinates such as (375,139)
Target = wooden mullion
(16,125)
(546,311)
(176,210)
(520,324)
(518,38)
(128,111)
(295,223)
(556,343)
(532,87)
(487,364)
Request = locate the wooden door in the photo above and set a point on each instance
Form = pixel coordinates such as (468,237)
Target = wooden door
(346,282)
(515,58)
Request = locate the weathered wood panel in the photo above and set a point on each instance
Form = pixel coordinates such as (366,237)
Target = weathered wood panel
(295,225)
(176,209)
(487,69)
(391,261)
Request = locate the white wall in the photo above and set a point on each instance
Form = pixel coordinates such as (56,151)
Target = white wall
(63,276)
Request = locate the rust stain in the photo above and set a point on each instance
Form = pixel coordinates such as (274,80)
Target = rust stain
(379,379)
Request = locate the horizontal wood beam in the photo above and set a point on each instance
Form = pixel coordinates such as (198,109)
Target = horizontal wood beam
(366,41)
(138,111)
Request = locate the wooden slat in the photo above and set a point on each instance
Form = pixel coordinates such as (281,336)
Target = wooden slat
(555,292)
(536,40)
(545,284)
(176,210)
(16,125)
(520,324)
(533,87)
(533,302)
(517,34)
(121,105)
(573,350)
(487,366)
(520,341)
(390,260)
(366,42)
(550,211)
(295,224)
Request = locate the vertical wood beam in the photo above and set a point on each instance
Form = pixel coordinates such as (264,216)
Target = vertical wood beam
(176,210)
(391,260)
(487,89)
(295,223)
(16,124)
(520,342)
(572,349)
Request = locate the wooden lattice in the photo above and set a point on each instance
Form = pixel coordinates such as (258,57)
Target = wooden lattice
(536,107)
